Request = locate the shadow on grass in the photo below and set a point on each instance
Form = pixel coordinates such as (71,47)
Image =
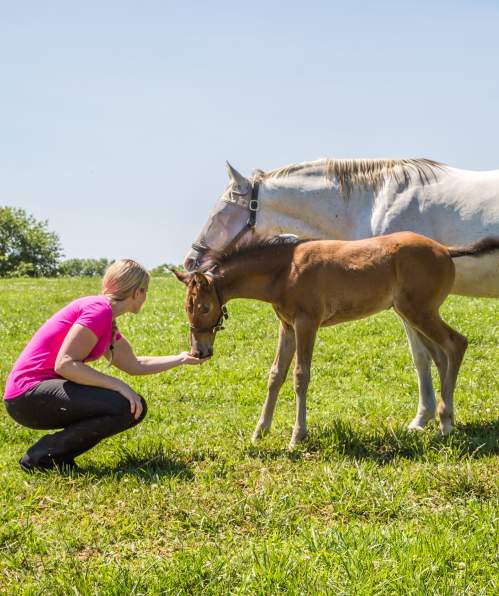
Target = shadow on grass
(147,464)
(383,445)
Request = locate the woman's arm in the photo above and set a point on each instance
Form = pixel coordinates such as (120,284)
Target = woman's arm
(69,364)
(125,359)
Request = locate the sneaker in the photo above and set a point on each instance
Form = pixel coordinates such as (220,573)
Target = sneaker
(67,466)
(28,466)
(64,465)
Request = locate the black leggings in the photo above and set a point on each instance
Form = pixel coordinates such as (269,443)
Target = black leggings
(86,414)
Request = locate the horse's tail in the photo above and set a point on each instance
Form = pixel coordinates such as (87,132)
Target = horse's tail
(476,249)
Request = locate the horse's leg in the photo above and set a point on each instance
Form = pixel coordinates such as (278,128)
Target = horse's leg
(305,332)
(422,361)
(278,372)
(452,343)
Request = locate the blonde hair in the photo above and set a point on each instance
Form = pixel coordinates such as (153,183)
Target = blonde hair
(120,280)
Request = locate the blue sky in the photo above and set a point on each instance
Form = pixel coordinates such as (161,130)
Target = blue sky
(117,117)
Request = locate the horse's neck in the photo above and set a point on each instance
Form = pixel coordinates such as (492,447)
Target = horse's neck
(315,209)
(253,276)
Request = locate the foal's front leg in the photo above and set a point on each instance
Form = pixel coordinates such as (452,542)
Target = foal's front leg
(305,332)
(277,376)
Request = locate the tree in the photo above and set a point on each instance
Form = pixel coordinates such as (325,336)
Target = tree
(164,270)
(27,247)
(83,267)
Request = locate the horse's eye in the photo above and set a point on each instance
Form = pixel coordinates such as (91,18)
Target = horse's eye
(205,308)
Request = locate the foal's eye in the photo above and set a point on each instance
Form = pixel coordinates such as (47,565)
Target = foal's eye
(205,308)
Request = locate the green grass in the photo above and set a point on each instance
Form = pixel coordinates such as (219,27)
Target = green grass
(184,503)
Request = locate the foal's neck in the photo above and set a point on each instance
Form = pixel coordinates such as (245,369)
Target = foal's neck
(255,275)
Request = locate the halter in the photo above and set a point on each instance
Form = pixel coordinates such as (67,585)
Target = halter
(219,325)
(237,198)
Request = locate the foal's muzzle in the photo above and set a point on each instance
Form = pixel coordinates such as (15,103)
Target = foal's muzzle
(203,353)
(203,347)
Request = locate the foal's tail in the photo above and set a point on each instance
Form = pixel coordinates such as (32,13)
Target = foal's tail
(477,249)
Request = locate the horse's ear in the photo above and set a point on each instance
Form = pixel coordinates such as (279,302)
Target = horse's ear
(238,179)
(182,276)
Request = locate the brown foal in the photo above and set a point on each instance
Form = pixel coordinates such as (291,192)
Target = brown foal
(311,284)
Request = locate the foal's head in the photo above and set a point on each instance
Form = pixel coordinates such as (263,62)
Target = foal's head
(204,310)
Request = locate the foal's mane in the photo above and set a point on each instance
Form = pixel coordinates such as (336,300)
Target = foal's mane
(257,246)
(370,173)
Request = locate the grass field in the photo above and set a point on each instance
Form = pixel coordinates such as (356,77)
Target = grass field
(185,504)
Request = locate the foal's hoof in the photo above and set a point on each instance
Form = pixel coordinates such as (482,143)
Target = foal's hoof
(419,422)
(413,428)
(295,439)
(446,430)
(259,434)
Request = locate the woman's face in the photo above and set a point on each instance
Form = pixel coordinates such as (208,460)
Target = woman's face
(138,298)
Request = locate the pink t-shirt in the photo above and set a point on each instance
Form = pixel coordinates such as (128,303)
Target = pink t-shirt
(37,360)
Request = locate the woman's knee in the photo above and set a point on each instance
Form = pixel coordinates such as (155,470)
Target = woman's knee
(143,414)
(123,411)
(133,421)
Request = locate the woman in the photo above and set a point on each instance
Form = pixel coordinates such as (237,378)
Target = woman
(51,385)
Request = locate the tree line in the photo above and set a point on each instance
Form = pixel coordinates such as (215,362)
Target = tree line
(29,249)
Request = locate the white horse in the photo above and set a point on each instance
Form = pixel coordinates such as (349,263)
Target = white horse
(354,199)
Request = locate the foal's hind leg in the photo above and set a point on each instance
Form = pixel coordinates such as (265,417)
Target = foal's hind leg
(277,376)
(452,343)
(426,409)
(421,357)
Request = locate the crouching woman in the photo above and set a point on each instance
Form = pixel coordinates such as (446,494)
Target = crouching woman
(51,385)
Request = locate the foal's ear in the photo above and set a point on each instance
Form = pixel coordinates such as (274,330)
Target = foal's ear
(200,279)
(182,276)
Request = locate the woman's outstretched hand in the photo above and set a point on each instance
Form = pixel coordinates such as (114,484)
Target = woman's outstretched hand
(190,359)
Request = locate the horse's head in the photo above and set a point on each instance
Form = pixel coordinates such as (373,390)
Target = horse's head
(226,223)
(204,309)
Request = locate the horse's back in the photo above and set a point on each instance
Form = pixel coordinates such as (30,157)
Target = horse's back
(353,279)
(357,254)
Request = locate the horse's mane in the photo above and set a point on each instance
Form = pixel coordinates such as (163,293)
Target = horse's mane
(250,248)
(369,173)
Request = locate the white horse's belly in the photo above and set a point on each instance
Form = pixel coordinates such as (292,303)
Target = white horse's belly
(477,276)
